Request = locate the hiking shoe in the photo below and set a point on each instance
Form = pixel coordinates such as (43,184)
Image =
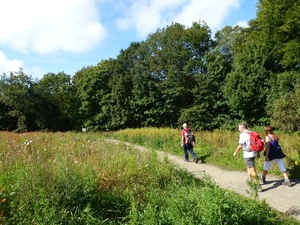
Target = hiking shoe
(287,183)
(196,160)
(263,179)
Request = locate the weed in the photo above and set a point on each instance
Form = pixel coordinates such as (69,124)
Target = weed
(79,178)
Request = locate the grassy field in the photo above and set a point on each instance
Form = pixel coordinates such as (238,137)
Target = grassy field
(214,147)
(79,178)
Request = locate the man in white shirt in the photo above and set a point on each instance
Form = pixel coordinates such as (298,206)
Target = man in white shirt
(249,156)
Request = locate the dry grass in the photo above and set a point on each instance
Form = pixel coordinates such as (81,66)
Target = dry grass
(214,147)
(79,178)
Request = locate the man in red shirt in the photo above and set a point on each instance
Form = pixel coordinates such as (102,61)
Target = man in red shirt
(187,146)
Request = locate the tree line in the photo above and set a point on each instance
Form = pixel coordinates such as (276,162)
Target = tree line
(178,74)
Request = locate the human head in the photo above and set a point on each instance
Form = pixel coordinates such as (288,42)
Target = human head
(242,126)
(268,129)
(184,125)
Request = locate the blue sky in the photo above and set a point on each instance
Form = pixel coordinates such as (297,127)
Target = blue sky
(44,36)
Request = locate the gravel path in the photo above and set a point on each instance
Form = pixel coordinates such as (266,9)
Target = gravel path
(284,199)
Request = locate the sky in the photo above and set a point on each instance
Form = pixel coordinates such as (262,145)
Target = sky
(43,36)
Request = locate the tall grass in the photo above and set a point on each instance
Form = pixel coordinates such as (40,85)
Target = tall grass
(214,147)
(71,178)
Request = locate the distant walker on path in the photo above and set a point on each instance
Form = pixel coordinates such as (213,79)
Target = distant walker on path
(187,145)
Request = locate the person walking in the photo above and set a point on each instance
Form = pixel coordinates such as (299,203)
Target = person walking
(273,153)
(249,156)
(186,145)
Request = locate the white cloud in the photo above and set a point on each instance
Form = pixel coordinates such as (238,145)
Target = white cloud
(148,15)
(14,65)
(213,12)
(7,65)
(36,72)
(243,24)
(49,26)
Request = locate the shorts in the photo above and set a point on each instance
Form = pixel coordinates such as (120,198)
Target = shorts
(280,163)
(249,162)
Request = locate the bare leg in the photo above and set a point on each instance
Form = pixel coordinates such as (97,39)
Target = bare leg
(265,172)
(253,174)
(249,173)
(286,177)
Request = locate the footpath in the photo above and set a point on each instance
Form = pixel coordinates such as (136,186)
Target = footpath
(284,199)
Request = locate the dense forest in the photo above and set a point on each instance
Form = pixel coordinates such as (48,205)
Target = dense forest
(177,74)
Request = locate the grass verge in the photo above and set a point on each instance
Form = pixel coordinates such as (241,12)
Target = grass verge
(81,179)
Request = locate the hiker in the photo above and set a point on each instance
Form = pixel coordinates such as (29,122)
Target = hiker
(249,156)
(273,153)
(186,144)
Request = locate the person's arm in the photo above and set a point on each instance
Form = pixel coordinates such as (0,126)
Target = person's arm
(182,139)
(238,148)
(267,150)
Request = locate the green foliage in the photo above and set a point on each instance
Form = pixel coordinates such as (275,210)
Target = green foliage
(198,117)
(215,147)
(286,111)
(283,100)
(177,74)
(211,206)
(277,25)
(93,95)
(121,83)
(17,101)
(55,96)
(81,179)
(175,57)
(245,87)
(210,109)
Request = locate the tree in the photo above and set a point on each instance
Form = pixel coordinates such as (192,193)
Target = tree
(286,111)
(121,84)
(146,103)
(246,87)
(6,122)
(17,100)
(93,93)
(210,110)
(283,108)
(277,27)
(54,99)
(176,56)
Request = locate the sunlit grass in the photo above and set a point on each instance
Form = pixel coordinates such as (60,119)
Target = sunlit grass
(215,147)
(79,178)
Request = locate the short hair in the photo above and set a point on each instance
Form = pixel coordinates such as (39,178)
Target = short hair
(243,124)
(268,129)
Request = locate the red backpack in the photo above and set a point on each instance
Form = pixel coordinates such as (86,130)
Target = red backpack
(256,143)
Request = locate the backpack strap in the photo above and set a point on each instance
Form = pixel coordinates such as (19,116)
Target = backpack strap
(270,137)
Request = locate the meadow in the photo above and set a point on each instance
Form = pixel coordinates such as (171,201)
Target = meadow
(214,147)
(80,178)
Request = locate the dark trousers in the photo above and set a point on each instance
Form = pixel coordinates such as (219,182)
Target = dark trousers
(188,148)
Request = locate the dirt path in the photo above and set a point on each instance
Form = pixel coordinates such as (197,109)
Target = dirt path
(284,199)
